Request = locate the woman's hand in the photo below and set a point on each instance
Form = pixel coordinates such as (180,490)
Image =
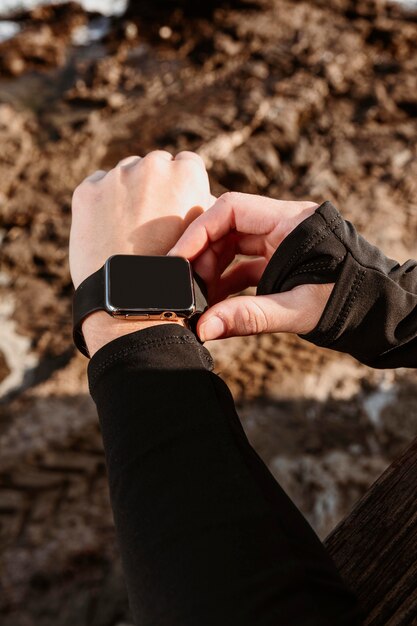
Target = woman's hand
(141,206)
(255,226)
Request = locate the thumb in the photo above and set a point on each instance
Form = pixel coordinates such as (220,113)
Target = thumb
(296,311)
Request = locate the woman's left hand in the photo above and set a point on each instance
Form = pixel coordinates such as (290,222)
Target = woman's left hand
(141,206)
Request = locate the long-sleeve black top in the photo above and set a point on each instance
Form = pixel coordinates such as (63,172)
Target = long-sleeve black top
(207,536)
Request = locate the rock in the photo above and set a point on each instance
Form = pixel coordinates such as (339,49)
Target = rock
(43,42)
(116,100)
(4,368)
(299,100)
(345,159)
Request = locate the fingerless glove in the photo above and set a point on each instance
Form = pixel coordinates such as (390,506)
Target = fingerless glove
(372,310)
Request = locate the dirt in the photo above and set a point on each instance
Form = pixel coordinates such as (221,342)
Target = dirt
(311,100)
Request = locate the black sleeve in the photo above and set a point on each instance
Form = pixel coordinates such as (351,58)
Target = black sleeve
(372,311)
(207,536)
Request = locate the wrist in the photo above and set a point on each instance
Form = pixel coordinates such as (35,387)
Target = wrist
(100,328)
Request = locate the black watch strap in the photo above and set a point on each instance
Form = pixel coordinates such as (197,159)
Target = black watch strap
(201,302)
(90,297)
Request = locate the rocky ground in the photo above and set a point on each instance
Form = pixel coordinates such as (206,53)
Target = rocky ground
(293,99)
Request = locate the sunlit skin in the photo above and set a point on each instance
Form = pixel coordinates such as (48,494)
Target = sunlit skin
(157,205)
(141,206)
(247,224)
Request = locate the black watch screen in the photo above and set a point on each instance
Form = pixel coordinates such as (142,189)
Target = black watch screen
(135,283)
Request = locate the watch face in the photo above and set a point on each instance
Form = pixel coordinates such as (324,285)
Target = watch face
(143,283)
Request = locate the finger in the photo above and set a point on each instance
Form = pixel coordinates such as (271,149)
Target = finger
(245,315)
(98,175)
(212,263)
(239,277)
(245,213)
(251,245)
(217,257)
(129,161)
(187,155)
(295,311)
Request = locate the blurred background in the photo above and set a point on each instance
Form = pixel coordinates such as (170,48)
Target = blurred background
(289,98)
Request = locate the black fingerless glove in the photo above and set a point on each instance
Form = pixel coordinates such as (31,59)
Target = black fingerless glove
(372,311)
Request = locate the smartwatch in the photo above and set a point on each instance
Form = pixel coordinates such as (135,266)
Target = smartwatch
(140,287)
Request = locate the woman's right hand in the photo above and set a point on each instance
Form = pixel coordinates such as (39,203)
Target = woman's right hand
(250,225)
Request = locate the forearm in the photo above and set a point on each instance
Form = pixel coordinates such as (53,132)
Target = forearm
(206,534)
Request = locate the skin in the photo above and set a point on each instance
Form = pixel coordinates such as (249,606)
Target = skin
(247,224)
(157,205)
(141,206)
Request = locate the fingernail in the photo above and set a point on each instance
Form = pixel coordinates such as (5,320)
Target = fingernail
(171,252)
(213,328)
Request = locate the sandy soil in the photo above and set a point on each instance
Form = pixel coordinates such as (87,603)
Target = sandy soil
(314,100)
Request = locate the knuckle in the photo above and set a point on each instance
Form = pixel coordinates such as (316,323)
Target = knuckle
(186,153)
(250,319)
(113,173)
(128,162)
(189,156)
(230,197)
(245,320)
(150,157)
(112,180)
(190,164)
(155,156)
(152,161)
(124,172)
(192,167)
(262,319)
